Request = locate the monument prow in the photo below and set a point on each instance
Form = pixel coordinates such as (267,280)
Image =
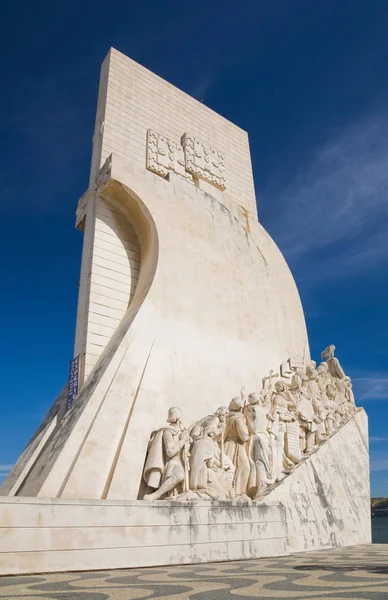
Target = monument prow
(184,298)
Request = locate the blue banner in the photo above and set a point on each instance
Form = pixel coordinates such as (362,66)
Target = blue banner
(72,389)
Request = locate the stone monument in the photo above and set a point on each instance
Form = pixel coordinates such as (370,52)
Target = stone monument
(155,453)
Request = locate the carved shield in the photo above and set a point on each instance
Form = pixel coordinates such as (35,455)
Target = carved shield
(306,409)
(292,446)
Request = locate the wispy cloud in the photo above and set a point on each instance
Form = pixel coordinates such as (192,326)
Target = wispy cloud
(374,438)
(371,388)
(202,86)
(379,464)
(5,469)
(337,205)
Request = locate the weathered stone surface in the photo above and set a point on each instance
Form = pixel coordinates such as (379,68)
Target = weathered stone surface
(327,496)
(37,534)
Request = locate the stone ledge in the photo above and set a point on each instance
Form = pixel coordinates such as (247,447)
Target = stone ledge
(46,535)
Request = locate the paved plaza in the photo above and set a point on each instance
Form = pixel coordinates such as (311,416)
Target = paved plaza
(358,573)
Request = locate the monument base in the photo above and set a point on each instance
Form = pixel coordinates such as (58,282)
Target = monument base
(64,535)
(323,503)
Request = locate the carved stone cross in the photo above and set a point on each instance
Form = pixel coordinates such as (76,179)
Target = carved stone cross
(272,375)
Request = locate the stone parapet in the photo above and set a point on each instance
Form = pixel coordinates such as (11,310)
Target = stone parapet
(39,535)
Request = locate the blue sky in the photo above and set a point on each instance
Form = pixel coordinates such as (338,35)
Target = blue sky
(307,80)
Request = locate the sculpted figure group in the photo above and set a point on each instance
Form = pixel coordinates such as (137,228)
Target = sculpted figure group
(240,451)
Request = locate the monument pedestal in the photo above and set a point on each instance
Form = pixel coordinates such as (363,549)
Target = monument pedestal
(68,535)
(319,505)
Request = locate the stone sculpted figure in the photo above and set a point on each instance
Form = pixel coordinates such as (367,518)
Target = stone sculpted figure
(311,384)
(310,366)
(336,402)
(256,415)
(350,396)
(284,430)
(324,378)
(343,406)
(241,450)
(211,471)
(306,415)
(331,415)
(282,402)
(166,466)
(333,363)
(236,436)
(313,393)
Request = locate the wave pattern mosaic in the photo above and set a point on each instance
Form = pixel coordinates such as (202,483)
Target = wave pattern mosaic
(348,574)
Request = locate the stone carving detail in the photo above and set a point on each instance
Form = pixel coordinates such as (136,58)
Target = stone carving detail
(203,161)
(243,450)
(166,468)
(105,172)
(211,470)
(191,158)
(164,155)
(102,177)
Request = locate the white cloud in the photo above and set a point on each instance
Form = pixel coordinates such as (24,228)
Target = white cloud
(202,86)
(5,468)
(340,200)
(374,438)
(379,464)
(371,388)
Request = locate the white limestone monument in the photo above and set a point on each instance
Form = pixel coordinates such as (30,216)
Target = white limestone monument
(195,426)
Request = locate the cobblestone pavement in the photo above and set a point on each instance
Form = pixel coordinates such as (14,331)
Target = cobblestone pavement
(358,573)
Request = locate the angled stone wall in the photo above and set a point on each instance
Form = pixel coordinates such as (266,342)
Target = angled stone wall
(327,496)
